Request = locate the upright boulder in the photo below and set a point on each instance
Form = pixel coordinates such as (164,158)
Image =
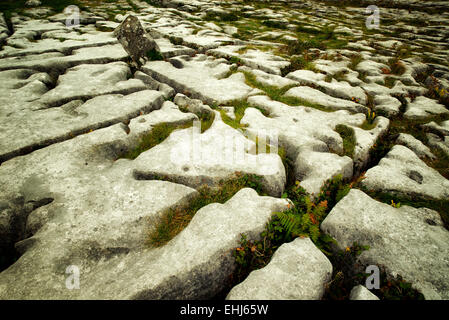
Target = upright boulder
(138,44)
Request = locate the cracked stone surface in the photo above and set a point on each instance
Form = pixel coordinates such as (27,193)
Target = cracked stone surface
(401,172)
(297,271)
(193,158)
(97,79)
(408,241)
(188,75)
(232,78)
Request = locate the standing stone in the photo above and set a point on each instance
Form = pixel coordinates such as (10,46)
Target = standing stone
(136,42)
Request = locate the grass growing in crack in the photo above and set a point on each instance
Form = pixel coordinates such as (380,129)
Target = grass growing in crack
(277,94)
(396,66)
(221,16)
(345,276)
(299,63)
(206,118)
(154,55)
(301,220)
(355,60)
(175,220)
(348,136)
(239,111)
(389,82)
(158,134)
(441,206)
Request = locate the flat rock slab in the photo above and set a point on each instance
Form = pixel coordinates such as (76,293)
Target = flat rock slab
(419,148)
(56,41)
(387,104)
(202,77)
(423,107)
(194,265)
(27,130)
(297,271)
(97,79)
(252,58)
(402,173)
(55,61)
(316,96)
(304,141)
(193,158)
(406,241)
(336,89)
(53,172)
(268,79)
(20,87)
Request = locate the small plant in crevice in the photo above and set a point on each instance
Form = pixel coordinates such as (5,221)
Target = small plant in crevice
(277,94)
(239,111)
(344,275)
(154,55)
(303,62)
(397,201)
(349,141)
(436,91)
(157,134)
(300,220)
(174,220)
(206,118)
(395,205)
(397,67)
(355,60)
(395,288)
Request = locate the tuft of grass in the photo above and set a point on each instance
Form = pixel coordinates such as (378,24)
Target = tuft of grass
(175,220)
(348,136)
(389,82)
(298,63)
(396,66)
(225,16)
(355,60)
(301,220)
(239,110)
(300,46)
(159,133)
(277,94)
(236,60)
(154,55)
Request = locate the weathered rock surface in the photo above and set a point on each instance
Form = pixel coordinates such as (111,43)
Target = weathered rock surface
(365,141)
(193,158)
(73,101)
(361,293)
(193,265)
(402,173)
(419,148)
(188,75)
(255,59)
(57,124)
(318,97)
(407,241)
(97,79)
(422,108)
(297,271)
(305,142)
